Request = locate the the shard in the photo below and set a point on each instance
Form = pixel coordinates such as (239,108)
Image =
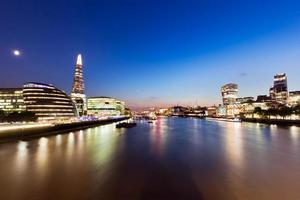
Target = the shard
(77,94)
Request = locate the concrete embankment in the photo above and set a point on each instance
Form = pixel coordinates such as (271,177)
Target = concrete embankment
(283,122)
(35,132)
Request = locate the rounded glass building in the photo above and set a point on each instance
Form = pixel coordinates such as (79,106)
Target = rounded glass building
(47,102)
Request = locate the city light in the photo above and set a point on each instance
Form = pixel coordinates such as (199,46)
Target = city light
(132,99)
(22,126)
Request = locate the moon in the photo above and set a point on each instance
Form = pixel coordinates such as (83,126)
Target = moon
(16,52)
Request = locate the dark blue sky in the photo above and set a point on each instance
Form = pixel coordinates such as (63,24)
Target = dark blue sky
(150,52)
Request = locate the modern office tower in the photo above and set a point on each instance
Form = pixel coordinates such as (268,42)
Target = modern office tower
(229,93)
(272,93)
(279,90)
(77,94)
(294,98)
(47,102)
(105,106)
(11,99)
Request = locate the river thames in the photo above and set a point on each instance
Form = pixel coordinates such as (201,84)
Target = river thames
(173,158)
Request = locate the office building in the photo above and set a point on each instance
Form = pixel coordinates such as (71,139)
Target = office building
(249,107)
(279,90)
(244,99)
(11,100)
(294,98)
(233,110)
(77,94)
(229,93)
(211,111)
(263,98)
(221,111)
(105,107)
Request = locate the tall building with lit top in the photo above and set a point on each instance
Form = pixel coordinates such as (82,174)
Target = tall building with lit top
(77,94)
(229,93)
(279,90)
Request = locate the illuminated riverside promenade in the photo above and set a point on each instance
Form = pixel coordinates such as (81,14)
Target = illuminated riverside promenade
(173,158)
(14,131)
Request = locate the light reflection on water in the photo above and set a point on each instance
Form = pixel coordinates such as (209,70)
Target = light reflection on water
(42,155)
(158,135)
(21,156)
(234,145)
(106,141)
(184,158)
(294,132)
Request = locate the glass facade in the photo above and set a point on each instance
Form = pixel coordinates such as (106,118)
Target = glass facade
(79,101)
(47,102)
(78,84)
(279,90)
(77,94)
(229,93)
(11,99)
(105,106)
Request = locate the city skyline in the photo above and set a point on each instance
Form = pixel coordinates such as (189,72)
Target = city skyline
(183,63)
(150,99)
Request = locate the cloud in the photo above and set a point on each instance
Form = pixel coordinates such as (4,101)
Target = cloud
(242,74)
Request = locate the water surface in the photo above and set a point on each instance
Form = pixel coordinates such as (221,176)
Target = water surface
(172,158)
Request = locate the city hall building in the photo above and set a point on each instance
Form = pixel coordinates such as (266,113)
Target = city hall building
(46,101)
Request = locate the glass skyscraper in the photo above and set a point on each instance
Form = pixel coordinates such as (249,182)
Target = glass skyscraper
(77,94)
(279,90)
(229,93)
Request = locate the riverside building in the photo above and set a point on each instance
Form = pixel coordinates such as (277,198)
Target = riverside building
(263,98)
(245,99)
(279,90)
(47,102)
(229,93)
(77,94)
(230,104)
(11,100)
(105,107)
(294,98)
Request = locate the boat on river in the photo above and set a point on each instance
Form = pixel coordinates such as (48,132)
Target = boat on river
(224,119)
(126,125)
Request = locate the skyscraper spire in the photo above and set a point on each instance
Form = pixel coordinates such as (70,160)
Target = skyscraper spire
(79,60)
(78,85)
